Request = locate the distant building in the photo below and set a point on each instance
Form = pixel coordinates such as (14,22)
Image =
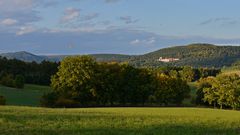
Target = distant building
(168,59)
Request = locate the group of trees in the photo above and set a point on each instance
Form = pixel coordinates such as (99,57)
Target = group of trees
(10,81)
(81,81)
(222,91)
(188,73)
(13,71)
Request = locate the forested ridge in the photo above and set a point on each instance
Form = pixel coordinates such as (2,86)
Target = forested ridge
(195,55)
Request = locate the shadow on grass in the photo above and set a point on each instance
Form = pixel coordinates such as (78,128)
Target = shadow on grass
(150,130)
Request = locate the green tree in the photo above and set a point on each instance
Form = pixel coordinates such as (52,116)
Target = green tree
(75,77)
(187,74)
(224,90)
(202,84)
(107,83)
(7,80)
(19,81)
(170,90)
(229,90)
(211,93)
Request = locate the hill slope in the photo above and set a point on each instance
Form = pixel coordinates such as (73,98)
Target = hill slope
(24,56)
(197,55)
(29,57)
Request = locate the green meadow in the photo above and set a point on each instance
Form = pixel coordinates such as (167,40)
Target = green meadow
(29,96)
(118,121)
(17,119)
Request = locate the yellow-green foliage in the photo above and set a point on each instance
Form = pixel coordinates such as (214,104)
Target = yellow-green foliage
(114,121)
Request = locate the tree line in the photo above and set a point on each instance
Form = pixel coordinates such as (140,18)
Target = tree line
(14,73)
(81,81)
(188,73)
(222,91)
(40,73)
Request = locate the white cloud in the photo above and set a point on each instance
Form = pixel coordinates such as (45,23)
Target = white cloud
(136,41)
(151,40)
(25,30)
(9,21)
(70,14)
(148,41)
(20,12)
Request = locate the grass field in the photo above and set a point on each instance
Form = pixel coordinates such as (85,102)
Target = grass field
(109,121)
(29,96)
(118,121)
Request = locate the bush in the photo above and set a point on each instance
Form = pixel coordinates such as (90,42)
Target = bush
(8,80)
(66,103)
(54,100)
(2,100)
(19,81)
(49,100)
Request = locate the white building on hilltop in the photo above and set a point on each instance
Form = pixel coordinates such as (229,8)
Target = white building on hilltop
(168,59)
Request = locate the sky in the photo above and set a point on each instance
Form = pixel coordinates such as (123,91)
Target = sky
(53,27)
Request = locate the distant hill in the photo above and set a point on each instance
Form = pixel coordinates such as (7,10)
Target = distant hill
(98,57)
(29,57)
(24,56)
(111,57)
(197,55)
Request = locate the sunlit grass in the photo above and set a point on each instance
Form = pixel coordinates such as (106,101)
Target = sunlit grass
(165,121)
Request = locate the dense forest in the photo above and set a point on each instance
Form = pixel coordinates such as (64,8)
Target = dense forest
(196,55)
(30,72)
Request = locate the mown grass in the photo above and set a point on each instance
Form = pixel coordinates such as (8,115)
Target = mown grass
(29,96)
(118,121)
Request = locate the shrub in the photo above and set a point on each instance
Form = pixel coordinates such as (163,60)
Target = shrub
(2,100)
(8,80)
(54,100)
(49,100)
(67,103)
(19,81)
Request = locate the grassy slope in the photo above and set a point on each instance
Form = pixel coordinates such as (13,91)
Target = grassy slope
(29,96)
(114,121)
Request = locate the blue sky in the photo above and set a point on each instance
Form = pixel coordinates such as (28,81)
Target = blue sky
(115,26)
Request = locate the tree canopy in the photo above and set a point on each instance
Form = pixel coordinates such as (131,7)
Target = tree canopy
(81,81)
